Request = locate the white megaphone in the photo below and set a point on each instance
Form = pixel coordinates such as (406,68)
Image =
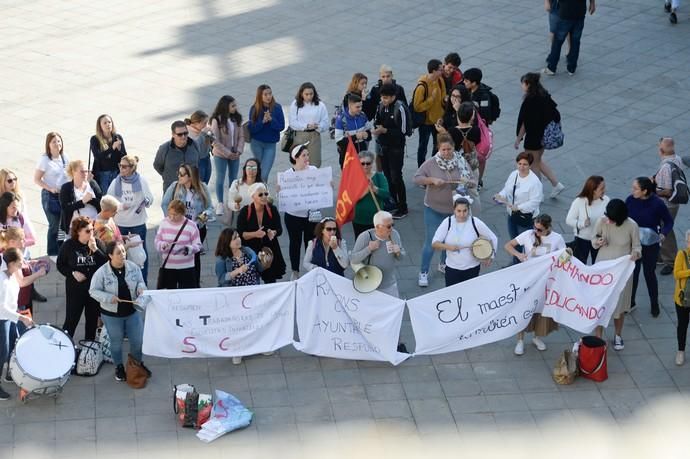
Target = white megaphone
(367,277)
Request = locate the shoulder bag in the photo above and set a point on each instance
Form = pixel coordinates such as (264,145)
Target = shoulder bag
(518,217)
(160,283)
(685,291)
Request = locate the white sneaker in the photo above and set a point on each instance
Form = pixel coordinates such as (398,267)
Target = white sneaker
(557,190)
(442,268)
(519,347)
(219,208)
(269,353)
(236,360)
(680,358)
(423,280)
(548,71)
(618,344)
(539,344)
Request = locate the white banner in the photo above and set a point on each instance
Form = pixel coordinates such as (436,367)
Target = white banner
(309,189)
(582,297)
(483,310)
(334,320)
(219,322)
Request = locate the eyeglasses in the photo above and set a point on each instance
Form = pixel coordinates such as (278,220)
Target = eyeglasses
(262,195)
(124,166)
(389,226)
(11,180)
(366,163)
(251,168)
(182,134)
(182,174)
(330,228)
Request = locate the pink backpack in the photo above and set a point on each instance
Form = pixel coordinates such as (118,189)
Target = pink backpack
(486,143)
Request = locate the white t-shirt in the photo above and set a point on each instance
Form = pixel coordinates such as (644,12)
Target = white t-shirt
(54,170)
(553,241)
(463,235)
(88,210)
(189,205)
(9,293)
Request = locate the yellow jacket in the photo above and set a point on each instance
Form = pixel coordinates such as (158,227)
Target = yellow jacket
(433,103)
(681,272)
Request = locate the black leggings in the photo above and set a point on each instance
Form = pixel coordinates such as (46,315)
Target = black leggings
(300,231)
(682,330)
(77,301)
(197,258)
(583,248)
(648,265)
(178,278)
(392,159)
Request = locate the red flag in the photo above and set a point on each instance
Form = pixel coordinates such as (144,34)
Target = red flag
(353,184)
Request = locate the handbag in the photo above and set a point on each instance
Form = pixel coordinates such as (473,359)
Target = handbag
(591,358)
(103,338)
(90,358)
(161,271)
(518,217)
(54,206)
(565,370)
(247,134)
(136,374)
(191,408)
(287,139)
(553,136)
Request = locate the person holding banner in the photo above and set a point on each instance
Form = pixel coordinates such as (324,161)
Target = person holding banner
(537,242)
(616,235)
(681,296)
(328,249)
(585,211)
(457,235)
(177,241)
(259,226)
(381,247)
(366,207)
(441,175)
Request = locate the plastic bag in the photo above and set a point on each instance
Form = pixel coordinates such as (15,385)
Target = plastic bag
(228,414)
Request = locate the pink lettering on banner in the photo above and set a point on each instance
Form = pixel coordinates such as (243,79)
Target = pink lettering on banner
(187,341)
(571,304)
(572,270)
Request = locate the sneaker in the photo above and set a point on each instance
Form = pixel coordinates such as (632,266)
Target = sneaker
(148,372)
(655,310)
(618,344)
(571,72)
(539,344)
(211,218)
(442,268)
(673,18)
(120,374)
(8,377)
(400,214)
(667,7)
(423,280)
(269,353)
(4,395)
(480,185)
(557,190)
(548,71)
(219,208)
(236,360)
(632,308)
(519,347)
(680,358)
(666,270)
(294,276)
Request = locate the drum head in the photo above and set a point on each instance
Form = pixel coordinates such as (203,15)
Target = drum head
(482,249)
(44,355)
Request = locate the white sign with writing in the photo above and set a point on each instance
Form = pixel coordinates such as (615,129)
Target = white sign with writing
(583,297)
(309,189)
(482,310)
(219,322)
(335,320)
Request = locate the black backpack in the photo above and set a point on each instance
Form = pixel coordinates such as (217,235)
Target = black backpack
(407,124)
(417,117)
(679,186)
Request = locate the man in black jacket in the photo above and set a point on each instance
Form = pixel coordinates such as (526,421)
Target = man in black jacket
(481,95)
(181,149)
(391,122)
(371,103)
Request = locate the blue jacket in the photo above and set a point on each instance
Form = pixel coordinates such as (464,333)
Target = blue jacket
(198,202)
(104,284)
(267,132)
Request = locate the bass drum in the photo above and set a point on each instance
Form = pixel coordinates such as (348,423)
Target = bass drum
(42,360)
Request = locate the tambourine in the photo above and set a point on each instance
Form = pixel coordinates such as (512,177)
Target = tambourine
(265,257)
(481,249)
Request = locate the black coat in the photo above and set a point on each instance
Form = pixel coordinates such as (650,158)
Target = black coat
(70,203)
(247,222)
(535,113)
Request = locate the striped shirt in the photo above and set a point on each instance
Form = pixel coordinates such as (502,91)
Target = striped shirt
(182,254)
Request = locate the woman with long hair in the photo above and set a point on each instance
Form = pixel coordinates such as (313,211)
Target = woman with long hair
(49,175)
(585,211)
(537,242)
(228,144)
(107,148)
(238,193)
(200,132)
(80,257)
(197,199)
(308,116)
(10,216)
(538,109)
(177,241)
(80,197)
(134,194)
(266,121)
(328,249)
(357,85)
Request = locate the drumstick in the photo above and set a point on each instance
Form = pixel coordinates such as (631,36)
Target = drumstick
(120,300)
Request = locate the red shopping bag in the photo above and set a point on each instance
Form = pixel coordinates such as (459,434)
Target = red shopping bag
(592,358)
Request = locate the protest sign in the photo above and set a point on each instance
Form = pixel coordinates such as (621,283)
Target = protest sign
(482,310)
(335,320)
(583,297)
(219,322)
(308,189)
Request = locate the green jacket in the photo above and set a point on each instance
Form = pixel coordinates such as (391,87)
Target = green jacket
(365,207)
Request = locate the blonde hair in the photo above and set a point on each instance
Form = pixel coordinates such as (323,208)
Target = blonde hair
(71,166)
(109,202)
(99,132)
(11,233)
(4,173)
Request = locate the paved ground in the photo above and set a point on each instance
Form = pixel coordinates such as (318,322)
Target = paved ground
(148,63)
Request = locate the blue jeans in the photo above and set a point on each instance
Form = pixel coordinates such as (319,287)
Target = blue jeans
(205,169)
(117,327)
(425,131)
(432,220)
(513,231)
(265,152)
(104,178)
(53,225)
(232,166)
(563,28)
(141,231)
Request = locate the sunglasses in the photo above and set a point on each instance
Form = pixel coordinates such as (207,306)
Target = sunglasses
(124,166)
(366,163)
(389,226)
(330,228)
(11,180)
(182,134)
(539,230)
(251,168)
(262,195)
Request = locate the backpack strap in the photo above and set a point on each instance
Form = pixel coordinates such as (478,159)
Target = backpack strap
(474,225)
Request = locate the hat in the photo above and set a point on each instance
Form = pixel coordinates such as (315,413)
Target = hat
(297,148)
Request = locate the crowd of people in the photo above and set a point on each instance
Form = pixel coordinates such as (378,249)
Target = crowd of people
(97,210)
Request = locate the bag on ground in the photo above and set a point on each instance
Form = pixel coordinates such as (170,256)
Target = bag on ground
(228,414)
(191,408)
(89,359)
(565,370)
(592,358)
(136,374)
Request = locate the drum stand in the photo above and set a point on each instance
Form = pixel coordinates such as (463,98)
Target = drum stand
(25,395)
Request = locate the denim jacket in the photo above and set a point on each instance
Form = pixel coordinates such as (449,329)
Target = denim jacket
(104,284)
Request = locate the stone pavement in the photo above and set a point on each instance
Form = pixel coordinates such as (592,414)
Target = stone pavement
(148,63)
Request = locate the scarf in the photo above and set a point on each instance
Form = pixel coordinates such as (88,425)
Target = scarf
(446,164)
(134,180)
